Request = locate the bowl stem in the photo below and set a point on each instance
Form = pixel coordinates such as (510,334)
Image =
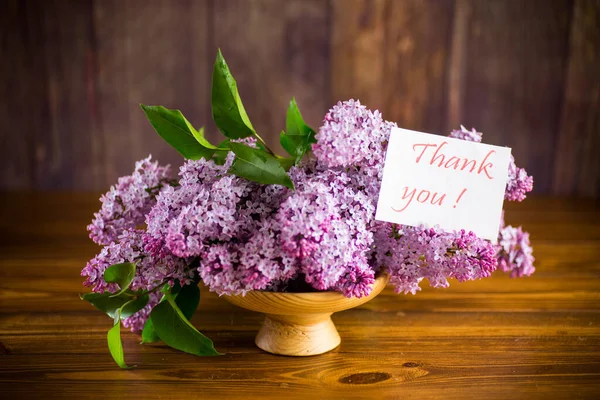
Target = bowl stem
(298,335)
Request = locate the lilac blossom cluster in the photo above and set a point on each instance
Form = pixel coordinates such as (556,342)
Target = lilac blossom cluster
(126,204)
(414,253)
(514,252)
(150,271)
(239,236)
(519,183)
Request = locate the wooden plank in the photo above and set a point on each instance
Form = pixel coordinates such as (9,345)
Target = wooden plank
(536,337)
(357,52)
(257,375)
(22,94)
(576,167)
(516,53)
(393,56)
(151,52)
(68,151)
(319,380)
(500,348)
(457,63)
(276,50)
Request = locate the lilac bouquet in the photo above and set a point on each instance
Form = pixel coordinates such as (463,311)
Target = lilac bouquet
(240,218)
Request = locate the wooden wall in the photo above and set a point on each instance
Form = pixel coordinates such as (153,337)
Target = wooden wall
(525,72)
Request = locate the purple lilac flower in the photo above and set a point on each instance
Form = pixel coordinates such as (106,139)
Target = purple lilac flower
(356,281)
(226,221)
(203,171)
(346,134)
(519,183)
(195,175)
(211,215)
(412,254)
(242,254)
(352,135)
(514,252)
(206,207)
(126,204)
(324,229)
(257,264)
(354,139)
(465,134)
(150,270)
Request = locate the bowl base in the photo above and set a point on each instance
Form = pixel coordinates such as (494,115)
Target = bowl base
(298,335)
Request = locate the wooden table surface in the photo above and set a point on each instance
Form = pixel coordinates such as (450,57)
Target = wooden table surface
(537,337)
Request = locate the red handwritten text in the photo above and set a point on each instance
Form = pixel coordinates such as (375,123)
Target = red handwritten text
(454,162)
(422,196)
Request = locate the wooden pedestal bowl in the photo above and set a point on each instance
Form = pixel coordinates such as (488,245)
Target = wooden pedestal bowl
(299,324)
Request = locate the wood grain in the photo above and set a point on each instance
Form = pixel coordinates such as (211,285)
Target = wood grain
(514,88)
(357,51)
(153,54)
(68,150)
(74,71)
(22,103)
(496,338)
(393,57)
(577,168)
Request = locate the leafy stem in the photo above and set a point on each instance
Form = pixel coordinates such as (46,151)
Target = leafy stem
(172,326)
(264,144)
(259,164)
(113,337)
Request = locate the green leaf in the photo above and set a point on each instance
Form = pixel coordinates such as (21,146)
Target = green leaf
(136,305)
(298,137)
(197,134)
(176,130)
(227,108)
(187,300)
(149,335)
(293,145)
(286,162)
(259,166)
(121,274)
(220,156)
(294,123)
(106,302)
(114,342)
(109,303)
(176,331)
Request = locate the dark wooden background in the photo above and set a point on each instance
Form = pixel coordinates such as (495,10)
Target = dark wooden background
(525,72)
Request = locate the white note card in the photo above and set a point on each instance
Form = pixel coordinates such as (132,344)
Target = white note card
(436,180)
